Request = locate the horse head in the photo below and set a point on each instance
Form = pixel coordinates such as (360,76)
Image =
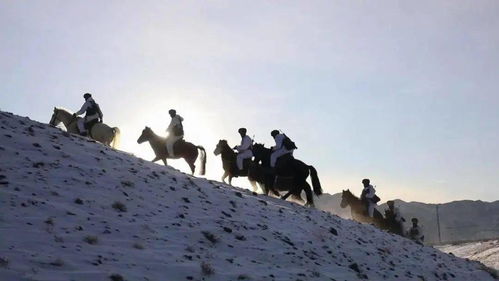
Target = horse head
(346,195)
(220,146)
(54,121)
(61,115)
(260,152)
(146,135)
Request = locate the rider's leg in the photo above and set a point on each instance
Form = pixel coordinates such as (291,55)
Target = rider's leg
(275,155)
(239,161)
(81,125)
(170,141)
(370,209)
(241,157)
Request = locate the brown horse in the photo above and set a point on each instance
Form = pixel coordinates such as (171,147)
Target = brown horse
(229,164)
(359,211)
(182,149)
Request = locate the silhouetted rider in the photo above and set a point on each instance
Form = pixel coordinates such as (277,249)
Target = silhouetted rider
(393,215)
(369,197)
(279,149)
(175,131)
(92,112)
(416,232)
(244,150)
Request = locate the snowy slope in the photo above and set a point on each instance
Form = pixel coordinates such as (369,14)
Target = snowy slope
(71,209)
(486,252)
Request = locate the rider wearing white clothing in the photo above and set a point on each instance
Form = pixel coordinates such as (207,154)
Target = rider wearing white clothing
(416,232)
(393,213)
(279,149)
(367,196)
(92,112)
(244,150)
(175,131)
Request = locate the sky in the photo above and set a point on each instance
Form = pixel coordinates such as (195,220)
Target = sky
(402,92)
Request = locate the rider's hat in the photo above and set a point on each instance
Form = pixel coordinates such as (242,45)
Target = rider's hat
(242,130)
(274,133)
(172,111)
(87,95)
(366,181)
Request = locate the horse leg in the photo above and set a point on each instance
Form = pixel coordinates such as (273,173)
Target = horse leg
(164,161)
(308,192)
(297,197)
(224,176)
(253,183)
(230,179)
(264,188)
(155,159)
(190,162)
(286,195)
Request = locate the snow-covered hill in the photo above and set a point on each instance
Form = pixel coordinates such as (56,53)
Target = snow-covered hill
(72,209)
(486,252)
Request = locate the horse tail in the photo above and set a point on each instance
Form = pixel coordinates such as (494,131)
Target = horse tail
(116,139)
(202,171)
(316,184)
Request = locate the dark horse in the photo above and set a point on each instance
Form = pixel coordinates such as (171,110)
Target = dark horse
(229,163)
(290,175)
(183,149)
(358,210)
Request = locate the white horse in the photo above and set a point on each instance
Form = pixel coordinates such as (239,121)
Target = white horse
(99,132)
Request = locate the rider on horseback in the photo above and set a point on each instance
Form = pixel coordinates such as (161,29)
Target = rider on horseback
(280,148)
(392,214)
(415,233)
(369,197)
(175,131)
(244,150)
(92,114)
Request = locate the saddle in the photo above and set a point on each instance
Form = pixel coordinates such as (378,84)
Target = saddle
(178,147)
(282,163)
(241,173)
(89,125)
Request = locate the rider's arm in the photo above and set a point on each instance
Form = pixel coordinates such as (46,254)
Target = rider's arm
(176,120)
(245,144)
(83,109)
(278,141)
(173,123)
(370,192)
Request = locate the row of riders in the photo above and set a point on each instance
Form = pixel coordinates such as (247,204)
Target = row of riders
(274,169)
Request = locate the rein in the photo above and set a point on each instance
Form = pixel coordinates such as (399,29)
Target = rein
(70,122)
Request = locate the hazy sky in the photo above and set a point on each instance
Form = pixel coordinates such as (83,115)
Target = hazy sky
(405,93)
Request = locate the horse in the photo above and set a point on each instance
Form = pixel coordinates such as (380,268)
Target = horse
(99,132)
(293,171)
(229,164)
(358,210)
(182,149)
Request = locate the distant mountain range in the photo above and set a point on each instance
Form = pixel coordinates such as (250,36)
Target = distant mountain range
(465,220)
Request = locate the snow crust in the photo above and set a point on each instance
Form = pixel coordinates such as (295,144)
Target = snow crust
(72,209)
(486,252)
